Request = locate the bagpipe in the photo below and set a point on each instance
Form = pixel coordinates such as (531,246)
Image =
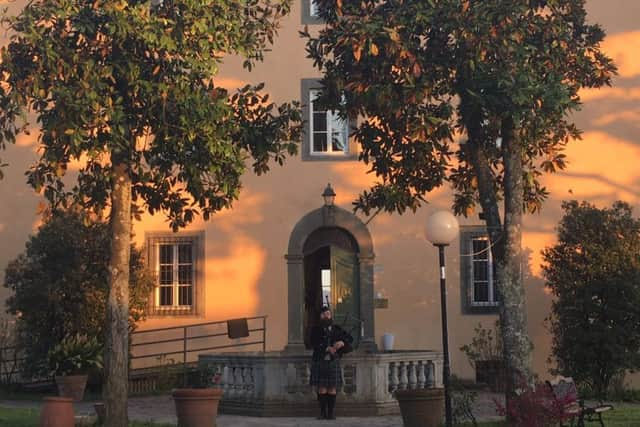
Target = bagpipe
(356,325)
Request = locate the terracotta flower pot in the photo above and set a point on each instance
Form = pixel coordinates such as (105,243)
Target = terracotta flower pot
(57,412)
(197,407)
(101,412)
(72,386)
(421,407)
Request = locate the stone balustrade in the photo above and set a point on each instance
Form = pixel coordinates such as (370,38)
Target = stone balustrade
(277,383)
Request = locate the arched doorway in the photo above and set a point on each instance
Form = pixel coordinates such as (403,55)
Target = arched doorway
(331,277)
(330,255)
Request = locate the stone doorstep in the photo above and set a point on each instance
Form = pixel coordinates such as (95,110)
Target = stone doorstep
(307,408)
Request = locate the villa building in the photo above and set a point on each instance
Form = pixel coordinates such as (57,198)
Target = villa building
(280,252)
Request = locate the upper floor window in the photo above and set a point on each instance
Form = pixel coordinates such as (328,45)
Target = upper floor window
(478,272)
(329,132)
(310,12)
(313,8)
(326,134)
(176,260)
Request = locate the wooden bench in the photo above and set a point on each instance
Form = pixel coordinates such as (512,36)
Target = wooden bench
(575,410)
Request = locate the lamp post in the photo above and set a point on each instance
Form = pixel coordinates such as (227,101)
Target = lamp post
(441,229)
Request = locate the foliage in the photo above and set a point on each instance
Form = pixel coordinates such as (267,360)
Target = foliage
(59,284)
(10,352)
(463,401)
(421,71)
(474,93)
(486,344)
(209,376)
(535,407)
(594,274)
(133,82)
(75,355)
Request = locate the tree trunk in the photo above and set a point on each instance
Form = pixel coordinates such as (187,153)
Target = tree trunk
(513,318)
(506,243)
(116,350)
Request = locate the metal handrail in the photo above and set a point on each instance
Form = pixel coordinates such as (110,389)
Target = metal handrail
(185,339)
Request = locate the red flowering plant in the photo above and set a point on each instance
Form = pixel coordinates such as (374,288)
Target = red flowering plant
(535,406)
(210,377)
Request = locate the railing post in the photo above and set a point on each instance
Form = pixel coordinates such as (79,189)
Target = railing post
(184,355)
(264,334)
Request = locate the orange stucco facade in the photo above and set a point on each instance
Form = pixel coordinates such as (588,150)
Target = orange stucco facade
(245,272)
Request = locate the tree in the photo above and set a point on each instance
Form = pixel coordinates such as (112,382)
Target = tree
(594,274)
(60,284)
(500,75)
(128,89)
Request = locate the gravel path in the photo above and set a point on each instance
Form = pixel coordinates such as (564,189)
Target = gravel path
(161,409)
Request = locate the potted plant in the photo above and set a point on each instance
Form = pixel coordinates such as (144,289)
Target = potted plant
(421,407)
(71,360)
(198,406)
(486,357)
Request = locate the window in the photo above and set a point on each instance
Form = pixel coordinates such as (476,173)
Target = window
(329,133)
(175,260)
(478,272)
(483,270)
(326,135)
(310,13)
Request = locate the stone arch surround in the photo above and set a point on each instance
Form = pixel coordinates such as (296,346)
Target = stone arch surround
(328,217)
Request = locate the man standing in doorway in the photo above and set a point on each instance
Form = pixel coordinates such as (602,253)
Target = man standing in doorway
(330,342)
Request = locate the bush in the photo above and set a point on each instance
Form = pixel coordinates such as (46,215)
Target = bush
(534,406)
(594,274)
(60,285)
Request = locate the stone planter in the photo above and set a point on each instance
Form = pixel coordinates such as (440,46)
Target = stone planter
(421,407)
(197,407)
(492,373)
(72,386)
(57,412)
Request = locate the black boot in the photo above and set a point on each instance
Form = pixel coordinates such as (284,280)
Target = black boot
(323,401)
(331,404)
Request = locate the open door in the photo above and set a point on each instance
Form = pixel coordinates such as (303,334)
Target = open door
(345,298)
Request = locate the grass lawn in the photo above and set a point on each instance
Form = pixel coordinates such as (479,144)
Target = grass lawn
(10,417)
(623,415)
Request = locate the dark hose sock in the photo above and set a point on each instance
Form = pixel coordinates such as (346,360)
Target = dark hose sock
(331,398)
(323,401)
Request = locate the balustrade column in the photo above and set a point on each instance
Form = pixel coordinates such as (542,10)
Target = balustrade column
(413,377)
(393,377)
(422,379)
(404,380)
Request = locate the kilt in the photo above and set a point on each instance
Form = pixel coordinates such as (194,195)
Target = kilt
(326,373)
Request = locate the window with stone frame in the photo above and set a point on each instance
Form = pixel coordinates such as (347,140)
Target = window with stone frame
(326,134)
(328,131)
(177,262)
(478,272)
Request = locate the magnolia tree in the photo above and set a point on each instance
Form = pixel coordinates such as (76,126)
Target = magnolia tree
(502,76)
(128,89)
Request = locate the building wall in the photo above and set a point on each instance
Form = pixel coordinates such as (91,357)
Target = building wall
(245,269)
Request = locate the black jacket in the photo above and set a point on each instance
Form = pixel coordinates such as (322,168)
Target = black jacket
(321,338)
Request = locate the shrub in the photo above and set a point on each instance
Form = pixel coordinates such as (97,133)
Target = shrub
(60,284)
(594,274)
(534,406)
